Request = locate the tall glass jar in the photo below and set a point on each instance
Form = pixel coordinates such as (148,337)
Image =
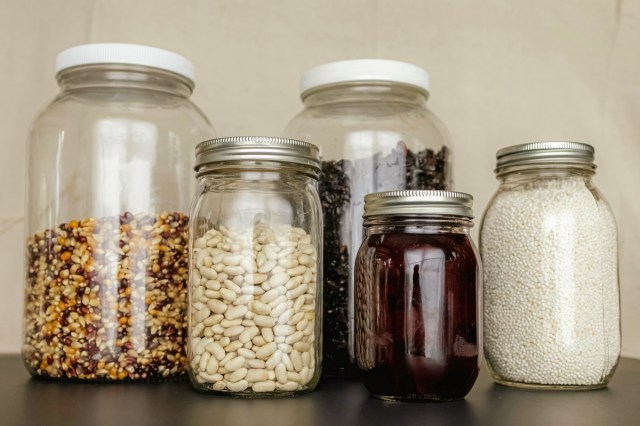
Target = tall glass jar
(255,299)
(417,282)
(375,132)
(549,248)
(108,192)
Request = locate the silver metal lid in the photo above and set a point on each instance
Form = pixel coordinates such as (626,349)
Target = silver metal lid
(545,153)
(257,148)
(402,203)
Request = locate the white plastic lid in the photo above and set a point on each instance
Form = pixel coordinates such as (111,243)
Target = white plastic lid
(122,53)
(365,70)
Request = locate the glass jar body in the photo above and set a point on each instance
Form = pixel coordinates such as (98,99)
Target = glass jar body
(108,192)
(551,294)
(416,324)
(373,136)
(255,311)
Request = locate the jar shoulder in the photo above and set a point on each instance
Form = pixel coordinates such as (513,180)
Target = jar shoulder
(546,203)
(352,134)
(364,116)
(70,115)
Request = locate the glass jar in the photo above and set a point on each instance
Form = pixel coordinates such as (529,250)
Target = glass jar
(370,119)
(255,309)
(417,282)
(108,191)
(549,248)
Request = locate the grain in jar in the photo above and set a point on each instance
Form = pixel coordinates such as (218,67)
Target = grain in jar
(549,250)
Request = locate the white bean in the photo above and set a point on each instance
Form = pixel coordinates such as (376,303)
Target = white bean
(257,375)
(210,378)
(266,386)
(296,360)
(252,308)
(265,351)
(267,334)
(204,359)
(281,373)
(238,386)
(289,386)
(261,308)
(264,321)
(306,359)
(257,363)
(216,350)
(237,375)
(202,314)
(228,295)
(212,365)
(248,334)
(283,330)
(236,312)
(274,360)
(234,363)
(293,338)
(233,331)
(247,353)
(199,347)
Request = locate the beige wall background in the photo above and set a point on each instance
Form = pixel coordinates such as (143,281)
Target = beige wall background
(503,72)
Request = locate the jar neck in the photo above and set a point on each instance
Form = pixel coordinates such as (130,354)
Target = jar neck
(516,174)
(432,224)
(124,76)
(369,91)
(258,171)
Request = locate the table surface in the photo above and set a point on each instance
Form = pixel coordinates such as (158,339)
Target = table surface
(24,401)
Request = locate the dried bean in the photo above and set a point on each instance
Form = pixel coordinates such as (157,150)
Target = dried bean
(259,309)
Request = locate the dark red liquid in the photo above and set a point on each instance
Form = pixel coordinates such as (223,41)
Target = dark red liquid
(416,333)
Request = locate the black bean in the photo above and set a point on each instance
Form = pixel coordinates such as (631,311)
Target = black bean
(342,187)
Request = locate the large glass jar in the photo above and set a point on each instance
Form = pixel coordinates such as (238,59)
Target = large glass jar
(417,282)
(549,249)
(375,133)
(108,192)
(255,299)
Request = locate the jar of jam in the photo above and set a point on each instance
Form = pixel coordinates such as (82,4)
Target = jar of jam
(416,306)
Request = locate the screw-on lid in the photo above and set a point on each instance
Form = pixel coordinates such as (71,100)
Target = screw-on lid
(257,148)
(556,152)
(402,203)
(122,53)
(364,70)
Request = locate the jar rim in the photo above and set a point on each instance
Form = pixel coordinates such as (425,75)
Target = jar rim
(418,202)
(545,153)
(257,148)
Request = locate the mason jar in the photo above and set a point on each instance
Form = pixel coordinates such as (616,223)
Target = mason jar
(255,299)
(108,194)
(375,132)
(417,282)
(550,253)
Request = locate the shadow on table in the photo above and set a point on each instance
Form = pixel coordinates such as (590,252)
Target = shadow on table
(61,403)
(503,405)
(374,411)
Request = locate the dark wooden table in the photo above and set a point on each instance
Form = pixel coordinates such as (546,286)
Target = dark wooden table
(28,402)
